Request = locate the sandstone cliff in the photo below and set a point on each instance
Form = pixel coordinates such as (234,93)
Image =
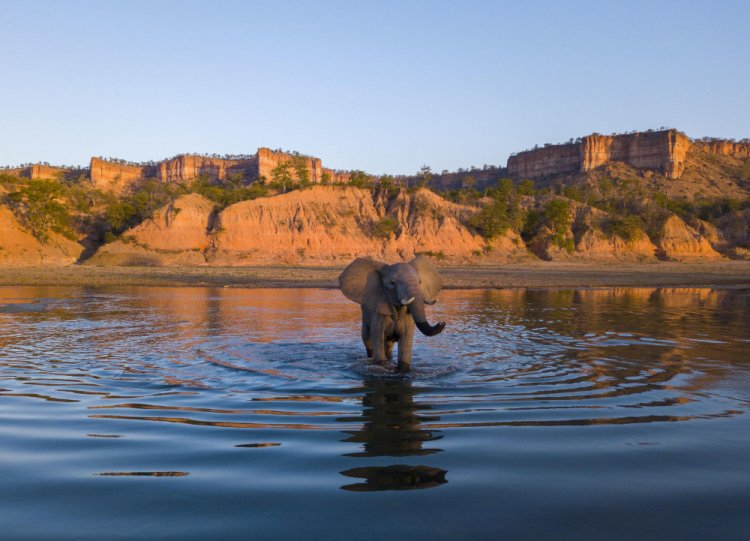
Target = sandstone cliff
(269,159)
(664,151)
(724,147)
(37,171)
(185,168)
(116,177)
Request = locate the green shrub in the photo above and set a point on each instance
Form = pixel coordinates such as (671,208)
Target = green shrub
(557,218)
(385,227)
(628,229)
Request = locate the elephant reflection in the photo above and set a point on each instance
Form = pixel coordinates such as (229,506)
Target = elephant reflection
(392,428)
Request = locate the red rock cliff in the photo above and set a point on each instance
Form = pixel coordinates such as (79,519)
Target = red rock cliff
(664,151)
(725,147)
(187,167)
(268,159)
(37,171)
(110,176)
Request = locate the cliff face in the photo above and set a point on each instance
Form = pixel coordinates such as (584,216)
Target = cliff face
(116,177)
(269,159)
(549,160)
(663,151)
(35,172)
(678,241)
(325,225)
(186,168)
(317,226)
(177,234)
(725,148)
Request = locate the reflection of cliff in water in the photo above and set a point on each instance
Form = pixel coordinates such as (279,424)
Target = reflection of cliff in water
(392,427)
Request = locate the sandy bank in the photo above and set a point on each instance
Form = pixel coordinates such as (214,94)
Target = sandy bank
(502,276)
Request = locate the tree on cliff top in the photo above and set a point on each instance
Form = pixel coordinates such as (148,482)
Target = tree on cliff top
(425,175)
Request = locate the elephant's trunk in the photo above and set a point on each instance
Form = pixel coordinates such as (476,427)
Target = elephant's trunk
(416,309)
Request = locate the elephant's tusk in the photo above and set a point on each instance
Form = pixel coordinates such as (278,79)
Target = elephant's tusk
(407,302)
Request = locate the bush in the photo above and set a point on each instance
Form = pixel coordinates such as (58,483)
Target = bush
(557,218)
(531,224)
(492,220)
(526,187)
(503,213)
(385,227)
(360,179)
(628,229)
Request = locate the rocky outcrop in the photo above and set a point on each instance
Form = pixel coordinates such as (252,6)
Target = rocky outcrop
(186,168)
(334,176)
(19,248)
(725,147)
(324,225)
(590,239)
(677,241)
(38,171)
(664,151)
(321,225)
(269,159)
(177,234)
(117,177)
(593,243)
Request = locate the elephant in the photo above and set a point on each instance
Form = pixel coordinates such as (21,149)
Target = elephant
(393,299)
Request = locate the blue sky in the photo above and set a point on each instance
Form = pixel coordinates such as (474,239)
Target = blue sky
(381,86)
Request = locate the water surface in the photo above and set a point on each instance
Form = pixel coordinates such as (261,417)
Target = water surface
(180,413)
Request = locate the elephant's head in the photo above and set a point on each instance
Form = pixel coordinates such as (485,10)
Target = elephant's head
(378,286)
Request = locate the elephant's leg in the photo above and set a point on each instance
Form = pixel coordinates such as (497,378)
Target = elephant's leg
(366,336)
(389,348)
(377,335)
(405,345)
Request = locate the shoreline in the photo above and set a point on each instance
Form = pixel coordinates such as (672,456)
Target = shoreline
(510,276)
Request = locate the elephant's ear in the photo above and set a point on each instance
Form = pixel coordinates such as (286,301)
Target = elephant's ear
(431,282)
(361,279)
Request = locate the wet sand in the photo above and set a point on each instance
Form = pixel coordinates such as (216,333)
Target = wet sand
(551,274)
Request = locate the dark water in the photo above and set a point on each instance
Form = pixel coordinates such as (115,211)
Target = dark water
(225,413)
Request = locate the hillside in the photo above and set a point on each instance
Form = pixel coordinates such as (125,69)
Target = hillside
(634,197)
(321,225)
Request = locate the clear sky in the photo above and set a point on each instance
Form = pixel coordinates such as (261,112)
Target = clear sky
(378,85)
